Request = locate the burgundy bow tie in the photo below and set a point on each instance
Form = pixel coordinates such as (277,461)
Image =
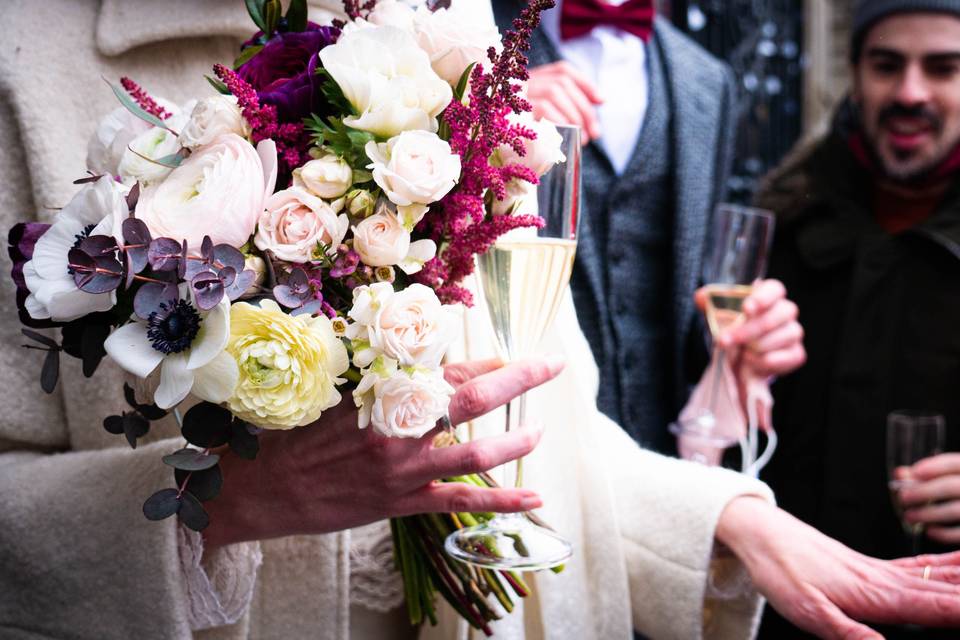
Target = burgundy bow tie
(579,17)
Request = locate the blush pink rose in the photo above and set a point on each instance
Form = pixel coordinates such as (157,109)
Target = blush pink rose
(295,221)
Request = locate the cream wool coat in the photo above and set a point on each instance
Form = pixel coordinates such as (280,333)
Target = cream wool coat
(77,559)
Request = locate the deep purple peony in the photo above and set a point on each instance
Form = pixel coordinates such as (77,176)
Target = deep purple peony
(284,72)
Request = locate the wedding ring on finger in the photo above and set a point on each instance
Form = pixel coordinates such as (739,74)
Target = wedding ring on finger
(926,572)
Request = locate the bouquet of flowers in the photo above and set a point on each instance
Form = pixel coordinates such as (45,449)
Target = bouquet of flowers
(300,232)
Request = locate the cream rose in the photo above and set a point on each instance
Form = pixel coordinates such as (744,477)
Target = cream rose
(455,37)
(211,118)
(289,365)
(219,191)
(137,163)
(415,167)
(294,221)
(393,13)
(404,405)
(382,240)
(387,78)
(409,326)
(114,132)
(542,153)
(329,176)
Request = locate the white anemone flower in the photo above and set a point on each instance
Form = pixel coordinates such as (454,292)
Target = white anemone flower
(53,291)
(188,346)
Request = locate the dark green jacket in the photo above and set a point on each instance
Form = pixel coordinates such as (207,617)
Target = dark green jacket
(882,320)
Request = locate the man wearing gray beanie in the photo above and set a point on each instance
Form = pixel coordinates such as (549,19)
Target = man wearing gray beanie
(868,244)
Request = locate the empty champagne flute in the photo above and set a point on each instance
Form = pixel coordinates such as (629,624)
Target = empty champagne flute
(911,437)
(523,278)
(737,255)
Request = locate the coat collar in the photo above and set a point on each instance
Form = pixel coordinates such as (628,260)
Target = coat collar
(123,25)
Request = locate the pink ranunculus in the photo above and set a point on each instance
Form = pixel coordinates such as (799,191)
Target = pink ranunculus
(295,221)
(219,191)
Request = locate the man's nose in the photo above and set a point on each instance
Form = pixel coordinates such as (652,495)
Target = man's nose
(914,88)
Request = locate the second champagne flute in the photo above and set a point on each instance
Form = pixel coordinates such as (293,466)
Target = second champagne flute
(523,279)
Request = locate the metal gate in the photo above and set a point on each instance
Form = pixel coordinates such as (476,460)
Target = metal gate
(762,40)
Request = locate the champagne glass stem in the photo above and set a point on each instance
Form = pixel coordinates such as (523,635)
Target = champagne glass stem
(520,420)
(717,379)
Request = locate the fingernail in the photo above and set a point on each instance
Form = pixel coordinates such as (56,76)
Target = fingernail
(555,363)
(531,501)
(749,306)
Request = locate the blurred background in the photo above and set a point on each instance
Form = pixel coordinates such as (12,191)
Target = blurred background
(790,58)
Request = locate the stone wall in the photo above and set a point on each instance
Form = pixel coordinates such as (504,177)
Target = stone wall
(826,77)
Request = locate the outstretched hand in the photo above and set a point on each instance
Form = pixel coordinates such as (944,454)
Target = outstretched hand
(828,589)
(332,476)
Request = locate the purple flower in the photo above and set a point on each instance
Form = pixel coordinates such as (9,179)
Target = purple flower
(22,239)
(283,73)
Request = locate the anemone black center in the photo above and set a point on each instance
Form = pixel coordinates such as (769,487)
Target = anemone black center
(172,328)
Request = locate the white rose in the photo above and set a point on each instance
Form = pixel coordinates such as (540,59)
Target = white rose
(137,163)
(211,118)
(382,240)
(328,176)
(114,132)
(388,80)
(542,152)
(411,327)
(415,167)
(455,37)
(403,405)
(521,199)
(219,191)
(294,221)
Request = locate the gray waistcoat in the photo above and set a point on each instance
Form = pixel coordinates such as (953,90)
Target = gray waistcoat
(631,230)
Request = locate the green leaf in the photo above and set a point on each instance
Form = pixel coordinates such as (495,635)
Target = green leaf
(191,460)
(162,504)
(462,83)
(297,15)
(271,16)
(334,94)
(247,54)
(218,84)
(134,108)
(173,160)
(204,485)
(192,513)
(255,9)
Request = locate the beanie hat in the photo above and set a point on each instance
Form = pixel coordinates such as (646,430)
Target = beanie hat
(869,12)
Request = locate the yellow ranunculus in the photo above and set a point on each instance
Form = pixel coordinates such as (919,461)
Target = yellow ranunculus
(289,366)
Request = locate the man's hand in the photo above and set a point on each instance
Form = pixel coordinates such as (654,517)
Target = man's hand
(824,587)
(332,476)
(563,95)
(932,496)
(771,335)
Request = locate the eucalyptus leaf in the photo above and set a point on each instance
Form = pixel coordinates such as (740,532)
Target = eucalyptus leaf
(92,350)
(191,460)
(50,372)
(173,160)
(134,426)
(113,424)
(162,504)
(39,337)
(203,485)
(134,108)
(242,442)
(192,513)
(207,425)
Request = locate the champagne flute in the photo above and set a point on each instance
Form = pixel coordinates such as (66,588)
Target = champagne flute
(911,437)
(523,279)
(736,258)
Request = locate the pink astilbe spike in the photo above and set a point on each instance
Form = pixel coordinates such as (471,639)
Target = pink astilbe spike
(459,223)
(291,139)
(143,99)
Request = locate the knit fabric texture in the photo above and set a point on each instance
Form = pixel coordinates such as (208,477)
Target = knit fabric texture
(869,12)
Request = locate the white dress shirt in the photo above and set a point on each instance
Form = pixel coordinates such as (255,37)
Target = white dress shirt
(615,61)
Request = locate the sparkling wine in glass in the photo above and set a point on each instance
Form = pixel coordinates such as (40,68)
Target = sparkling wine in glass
(523,279)
(911,437)
(736,257)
